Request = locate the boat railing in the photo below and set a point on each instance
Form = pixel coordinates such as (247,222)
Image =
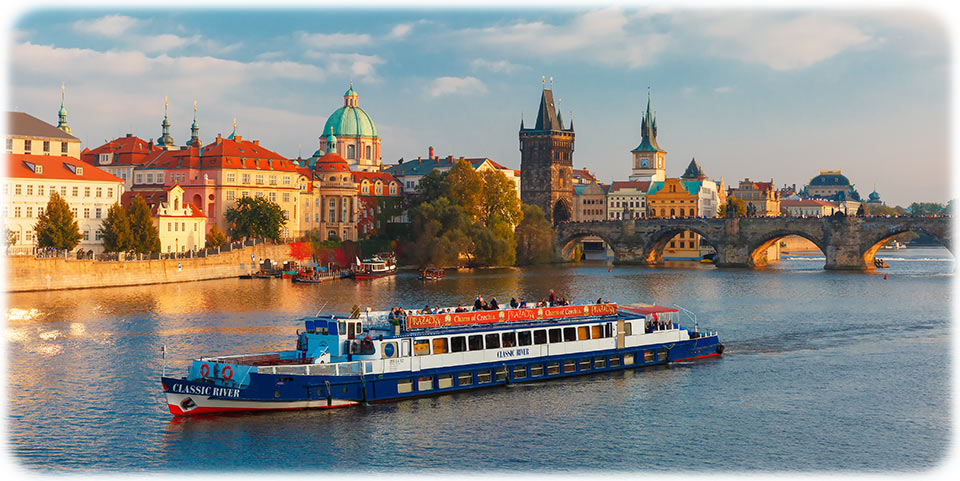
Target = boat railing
(333,369)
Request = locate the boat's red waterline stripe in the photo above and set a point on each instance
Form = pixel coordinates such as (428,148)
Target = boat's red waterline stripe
(698,357)
(176,411)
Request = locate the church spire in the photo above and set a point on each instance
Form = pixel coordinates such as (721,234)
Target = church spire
(165,140)
(331,141)
(194,128)
(648,130)
(547,115)
(62,125)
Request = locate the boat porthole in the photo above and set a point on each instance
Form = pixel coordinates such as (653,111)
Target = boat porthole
(276,394)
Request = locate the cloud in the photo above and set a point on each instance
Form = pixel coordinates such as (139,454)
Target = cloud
(455,85)
(400,31)
(321,41)
(776,41)
(599,36)
(722,89)
(498,66)
(108,26)
(355,65)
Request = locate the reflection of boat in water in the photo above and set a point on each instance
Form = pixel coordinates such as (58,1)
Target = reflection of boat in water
(377,266)
(433,274)
(310,275)
(341,361)
(880,263)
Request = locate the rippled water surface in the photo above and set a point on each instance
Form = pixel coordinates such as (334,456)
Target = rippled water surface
(823,370)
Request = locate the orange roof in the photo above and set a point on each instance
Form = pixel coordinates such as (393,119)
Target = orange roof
(806,203)
(373,177)
(584,173)
(224,152)
(126,150)
(331,162)
(22,166)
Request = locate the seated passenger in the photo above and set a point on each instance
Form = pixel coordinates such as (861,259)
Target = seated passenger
(523,303)
(493,304)
(600,300)
(514,303)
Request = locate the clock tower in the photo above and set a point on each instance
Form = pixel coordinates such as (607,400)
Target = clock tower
(649,160)
(546,162)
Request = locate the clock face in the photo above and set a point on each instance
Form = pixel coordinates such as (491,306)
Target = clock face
(644,163)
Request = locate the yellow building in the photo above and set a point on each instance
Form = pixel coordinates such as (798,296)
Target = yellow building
(182,226)
(692,195)
(331,196)
(27,134)
(764,198)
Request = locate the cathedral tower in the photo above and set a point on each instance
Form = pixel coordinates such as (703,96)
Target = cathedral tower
(546,162)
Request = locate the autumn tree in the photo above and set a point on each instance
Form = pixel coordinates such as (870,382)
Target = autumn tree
(216,237)
(440,234)
(498,199)
(117,236)
(733,208)
(535,237)
(464,187)
(145,239)
(301,250)
(56,227)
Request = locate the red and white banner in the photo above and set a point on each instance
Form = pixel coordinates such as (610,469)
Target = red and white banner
(508,315)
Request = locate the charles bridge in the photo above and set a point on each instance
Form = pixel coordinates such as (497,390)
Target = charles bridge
(847,242)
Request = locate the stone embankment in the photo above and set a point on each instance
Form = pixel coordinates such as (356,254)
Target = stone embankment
(27,273)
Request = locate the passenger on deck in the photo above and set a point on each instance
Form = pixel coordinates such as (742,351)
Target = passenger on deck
(514,303)
(552,298)
(478,303)
(600,300)
(493,304)
(484,306)
(523,303)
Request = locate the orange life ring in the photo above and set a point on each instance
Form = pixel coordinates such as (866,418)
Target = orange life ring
(204,370)
(226,373)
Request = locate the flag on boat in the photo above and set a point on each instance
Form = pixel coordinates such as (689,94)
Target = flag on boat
(358,262)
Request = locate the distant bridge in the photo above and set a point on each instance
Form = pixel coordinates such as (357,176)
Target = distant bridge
(847,242)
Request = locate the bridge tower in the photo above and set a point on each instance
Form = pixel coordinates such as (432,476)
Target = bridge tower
(649,160)
(546,162)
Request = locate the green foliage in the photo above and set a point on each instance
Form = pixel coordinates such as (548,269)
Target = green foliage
(499,199)
(216,237)
(440,234)
(886,210)
(733,208)
(117,236)
(464,187)
(56,227)
(255,217)
(751,210)
(494,245)
(535,237)
(430,188)
(926,208)
(144,236)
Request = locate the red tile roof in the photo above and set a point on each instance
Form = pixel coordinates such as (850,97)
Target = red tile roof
(583,173)
(641,186)
(55,167)
(331,162)
(223,153)
(127,150)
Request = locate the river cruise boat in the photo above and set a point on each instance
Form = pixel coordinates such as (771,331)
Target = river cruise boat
(374,267)
(343,361)
(431,274)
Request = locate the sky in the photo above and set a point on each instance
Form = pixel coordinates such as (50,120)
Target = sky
(765,94)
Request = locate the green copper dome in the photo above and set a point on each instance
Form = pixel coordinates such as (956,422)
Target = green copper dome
(350,120)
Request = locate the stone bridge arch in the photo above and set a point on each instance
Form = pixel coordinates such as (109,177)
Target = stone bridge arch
(880,233)
(569,234)
(651,252)
(757,251)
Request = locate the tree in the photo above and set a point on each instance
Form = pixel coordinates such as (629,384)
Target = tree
(925,208)
(144,235)
(494,245)
(216,237)
(117,236)
(440,234)
(751,210)
(464,187)
(56,227)
(301,250)
(499,199)
(255,217)
(535,237)
(863,210)
(733,208)
(430,187)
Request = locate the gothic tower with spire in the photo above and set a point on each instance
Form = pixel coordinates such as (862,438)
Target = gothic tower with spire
(62,114)
(194,129)
(649,160)
(166,140)
(546,162)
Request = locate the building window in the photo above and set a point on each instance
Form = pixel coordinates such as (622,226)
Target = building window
(73,210)
(39,190)
(29,212)
(16,212)
(273,197)
(286,180)
(259,179)
(316,217)
(27,145)
(379,189)
(231,178)
(29,189)
(286,197)
(332,216)
(369,155)
(75,191)
(110,192)
(351,152)
(245,178)
(286,215)
(46,146)
(244,194)
(138,179)
(104,158)
(63,147)
(393,189)
(273,180)
(159,177)
(17,189)
(86,192)
(99,235)
(86,235)
(229,195)
(86,212)
(365,189)
(149,178)
(99,191)
(98,212)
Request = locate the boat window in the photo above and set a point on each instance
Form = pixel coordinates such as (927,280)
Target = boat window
(425,383)
(405,348)
(583,333)
(569,366)
(553,368)
(614,361)
(389,350)
(421,347)
(627,328)
(509,339)
(404,385)
(585,364)
(524,338)
(596,331)
(483,377)
(458,344)
(501,374)
(600,362)
(627,359)
(445,381)
(475,342)
(536,370)
(492,341)
(569,334)
(519,372)
(343,327)
(661,355)
(540,336)
(465,379)
(647,356)
(359,327)
(608,329)
(440,345)
(555,335)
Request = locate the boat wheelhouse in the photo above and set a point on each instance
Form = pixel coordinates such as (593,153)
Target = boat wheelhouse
(340,361)
(374,267)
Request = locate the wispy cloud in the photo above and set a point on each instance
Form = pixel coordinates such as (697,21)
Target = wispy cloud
(400,31)
(723,89)
(498,66)
(129,32)
(108,26)
(321,41)
(455,85)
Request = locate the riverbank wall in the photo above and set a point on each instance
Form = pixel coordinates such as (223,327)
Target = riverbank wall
(27,273)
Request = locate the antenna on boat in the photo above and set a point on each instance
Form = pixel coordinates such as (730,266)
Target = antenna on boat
(321,308)
(163,355)
(696,326)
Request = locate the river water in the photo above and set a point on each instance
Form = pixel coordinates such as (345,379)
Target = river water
(823,371)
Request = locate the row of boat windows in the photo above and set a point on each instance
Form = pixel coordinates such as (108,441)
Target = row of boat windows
(486,376)
(495,340)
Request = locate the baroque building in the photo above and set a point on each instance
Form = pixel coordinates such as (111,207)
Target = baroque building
(356,134)
(649,160)
(546,162)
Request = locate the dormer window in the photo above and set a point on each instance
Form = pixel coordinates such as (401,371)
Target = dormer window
(105,158)
(79,170)
(38,169)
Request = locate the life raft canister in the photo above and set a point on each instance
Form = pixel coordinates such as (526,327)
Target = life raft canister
(226,373)
(367,342)
(204,370)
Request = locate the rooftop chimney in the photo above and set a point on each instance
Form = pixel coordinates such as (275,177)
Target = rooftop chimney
(256,142)
(129,135)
